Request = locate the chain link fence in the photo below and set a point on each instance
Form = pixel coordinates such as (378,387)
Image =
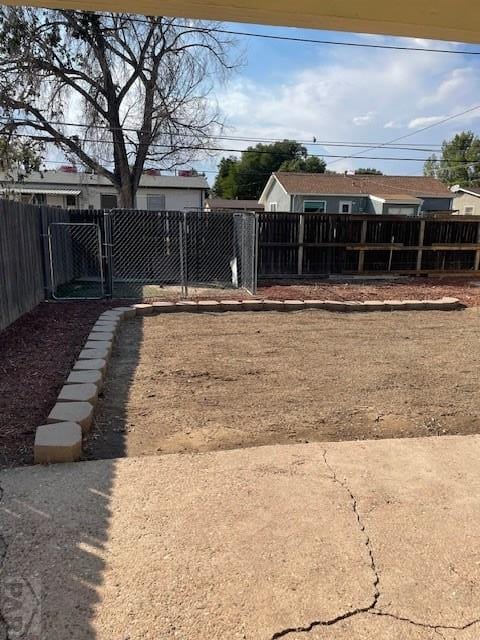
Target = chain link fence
(76,267)
(141,254)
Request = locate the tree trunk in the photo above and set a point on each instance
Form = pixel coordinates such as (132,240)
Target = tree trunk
(126,196)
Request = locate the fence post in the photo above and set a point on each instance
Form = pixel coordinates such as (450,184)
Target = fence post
(182,228)
(301,234)
(47,273)
(108,247)
(363,240)
(421,235)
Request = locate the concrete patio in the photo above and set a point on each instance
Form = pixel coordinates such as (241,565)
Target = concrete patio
(353,540)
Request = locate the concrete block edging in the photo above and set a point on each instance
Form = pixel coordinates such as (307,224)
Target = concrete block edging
(60,439)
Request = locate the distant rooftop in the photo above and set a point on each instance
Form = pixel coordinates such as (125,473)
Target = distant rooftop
(320,183)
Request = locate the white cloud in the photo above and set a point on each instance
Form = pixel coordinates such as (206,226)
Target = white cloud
(424,121)
(335,98)
(362,120)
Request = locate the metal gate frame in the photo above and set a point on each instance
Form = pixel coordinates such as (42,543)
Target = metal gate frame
(52,260)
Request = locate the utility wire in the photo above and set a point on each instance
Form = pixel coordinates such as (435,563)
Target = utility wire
(296,39)
(414,133)
(317,143)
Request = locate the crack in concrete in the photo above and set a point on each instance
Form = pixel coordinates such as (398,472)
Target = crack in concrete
(370,609)
(376,578)
(425,625)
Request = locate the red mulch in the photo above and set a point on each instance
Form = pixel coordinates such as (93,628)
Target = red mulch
(38,350)
(411,289)
(36,355)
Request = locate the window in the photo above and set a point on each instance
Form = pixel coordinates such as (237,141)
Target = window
(273,206)
(469,211)
(401,211)
(156,203)
(70,200)
(345,207)
(314,206)
(39,198)
(108,201)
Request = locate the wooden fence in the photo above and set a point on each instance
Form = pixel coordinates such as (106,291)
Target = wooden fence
(293,245)
(21,260)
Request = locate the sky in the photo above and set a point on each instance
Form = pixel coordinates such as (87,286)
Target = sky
(348,94)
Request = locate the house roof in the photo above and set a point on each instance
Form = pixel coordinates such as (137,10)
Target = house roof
(397,198)
(323,184)
(474,191)
(225,203)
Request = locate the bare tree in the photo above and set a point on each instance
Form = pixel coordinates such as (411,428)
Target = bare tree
(140,87)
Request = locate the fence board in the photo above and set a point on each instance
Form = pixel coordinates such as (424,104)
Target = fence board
(309,245)
(21,269)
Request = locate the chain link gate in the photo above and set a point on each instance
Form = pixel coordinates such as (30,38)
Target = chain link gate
(150,250)
(75,256)
(146,251)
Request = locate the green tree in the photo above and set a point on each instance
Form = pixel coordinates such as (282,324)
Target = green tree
(459,162)
(368,172)
(310,164)
(142,89)
(246,177)
(19,157)
(225,182)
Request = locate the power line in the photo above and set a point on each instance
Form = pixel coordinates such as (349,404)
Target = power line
(338,157)
(414,133)
(296,39)
(317,143)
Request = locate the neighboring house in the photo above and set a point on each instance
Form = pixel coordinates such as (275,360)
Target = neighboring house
(223,204)
(467,201)
(78,190)
(371,194)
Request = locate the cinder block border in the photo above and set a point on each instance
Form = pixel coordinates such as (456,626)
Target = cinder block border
(72,415)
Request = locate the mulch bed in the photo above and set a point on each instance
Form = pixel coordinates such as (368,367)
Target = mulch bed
(39,349)
(36,355)
(405,289)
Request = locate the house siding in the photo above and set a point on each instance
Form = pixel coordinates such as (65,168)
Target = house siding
(359,203)
(278,195)
(466,200)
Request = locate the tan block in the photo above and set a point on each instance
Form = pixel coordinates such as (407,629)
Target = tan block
(253,305)
(452,303)
(374,305)
(79,412)
(414,305)
(294,305)
(92,376)
(60,442)
(209,306)
(127,312)
(335,305)
(164,306)
(187,305)
(395,305)
(104,327)
(273,305)
(93,364)
(232,305)
(94,353)
(315,304)
(99,344)
(101,336)
(86,392)
(143,309)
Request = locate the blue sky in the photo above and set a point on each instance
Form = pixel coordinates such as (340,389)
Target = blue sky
(299,90)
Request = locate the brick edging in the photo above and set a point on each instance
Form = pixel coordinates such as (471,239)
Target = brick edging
(60,440)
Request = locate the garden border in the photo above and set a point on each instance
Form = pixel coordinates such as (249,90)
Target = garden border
(60,440)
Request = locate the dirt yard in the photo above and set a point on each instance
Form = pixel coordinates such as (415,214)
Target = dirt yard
(219,381)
